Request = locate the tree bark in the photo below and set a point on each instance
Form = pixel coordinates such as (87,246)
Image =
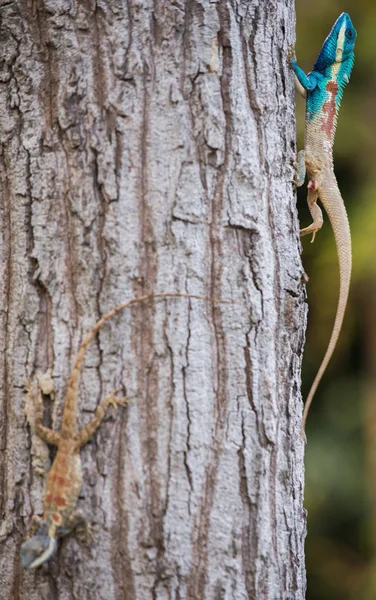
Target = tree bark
(148,146)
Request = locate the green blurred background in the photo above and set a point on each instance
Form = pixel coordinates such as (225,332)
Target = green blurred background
(340,491)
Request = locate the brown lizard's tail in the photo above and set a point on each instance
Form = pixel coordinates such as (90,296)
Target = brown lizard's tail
(335,208)
(70,408)
(112,313)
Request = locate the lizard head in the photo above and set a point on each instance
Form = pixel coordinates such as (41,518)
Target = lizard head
(338,46)
(37,550)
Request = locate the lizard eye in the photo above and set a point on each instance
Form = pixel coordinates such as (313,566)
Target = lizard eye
(349,34)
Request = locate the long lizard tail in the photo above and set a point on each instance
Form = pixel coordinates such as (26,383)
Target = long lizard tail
(70,407)
(332,201)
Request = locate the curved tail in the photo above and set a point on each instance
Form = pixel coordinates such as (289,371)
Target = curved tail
(332,201)
(70,407)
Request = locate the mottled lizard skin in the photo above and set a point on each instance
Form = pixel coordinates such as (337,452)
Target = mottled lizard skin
(64,479)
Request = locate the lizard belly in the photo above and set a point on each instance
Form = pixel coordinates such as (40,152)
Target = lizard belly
(63,487)
(317,144)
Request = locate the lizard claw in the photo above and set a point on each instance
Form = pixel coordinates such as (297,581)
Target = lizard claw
(290,54)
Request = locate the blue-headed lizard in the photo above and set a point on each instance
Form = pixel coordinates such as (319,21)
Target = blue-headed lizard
(323,88)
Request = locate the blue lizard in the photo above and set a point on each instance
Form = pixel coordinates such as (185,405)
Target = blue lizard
(323,88)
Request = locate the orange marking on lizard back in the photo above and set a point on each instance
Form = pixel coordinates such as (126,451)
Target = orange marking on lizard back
(56,518)
(61,501)
(330,109)
(58,479)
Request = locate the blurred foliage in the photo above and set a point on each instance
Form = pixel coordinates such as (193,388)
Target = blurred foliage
(340,491)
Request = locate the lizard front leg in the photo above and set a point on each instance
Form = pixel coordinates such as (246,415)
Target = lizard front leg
(85,434)
(35,420)
(315,211)
(45,433)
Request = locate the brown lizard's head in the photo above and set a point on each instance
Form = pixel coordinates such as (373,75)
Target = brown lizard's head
(38,549)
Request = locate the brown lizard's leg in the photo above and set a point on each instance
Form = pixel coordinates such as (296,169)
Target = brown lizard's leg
(83,530)
(85,434)
(48,435)
(35,524)
(315,211)
(45,433)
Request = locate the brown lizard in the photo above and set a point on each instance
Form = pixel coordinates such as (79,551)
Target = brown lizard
(64,479)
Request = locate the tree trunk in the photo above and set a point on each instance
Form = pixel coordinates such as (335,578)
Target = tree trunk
(149,147)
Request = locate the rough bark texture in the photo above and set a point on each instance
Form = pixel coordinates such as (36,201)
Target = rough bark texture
(148,146)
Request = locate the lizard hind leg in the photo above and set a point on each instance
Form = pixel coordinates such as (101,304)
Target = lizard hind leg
(78,524)
(315,211)
(300,171)
(35,524)
(111,399)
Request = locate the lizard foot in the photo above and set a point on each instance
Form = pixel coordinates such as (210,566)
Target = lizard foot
(116,401)
(86,534)
(311,229)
